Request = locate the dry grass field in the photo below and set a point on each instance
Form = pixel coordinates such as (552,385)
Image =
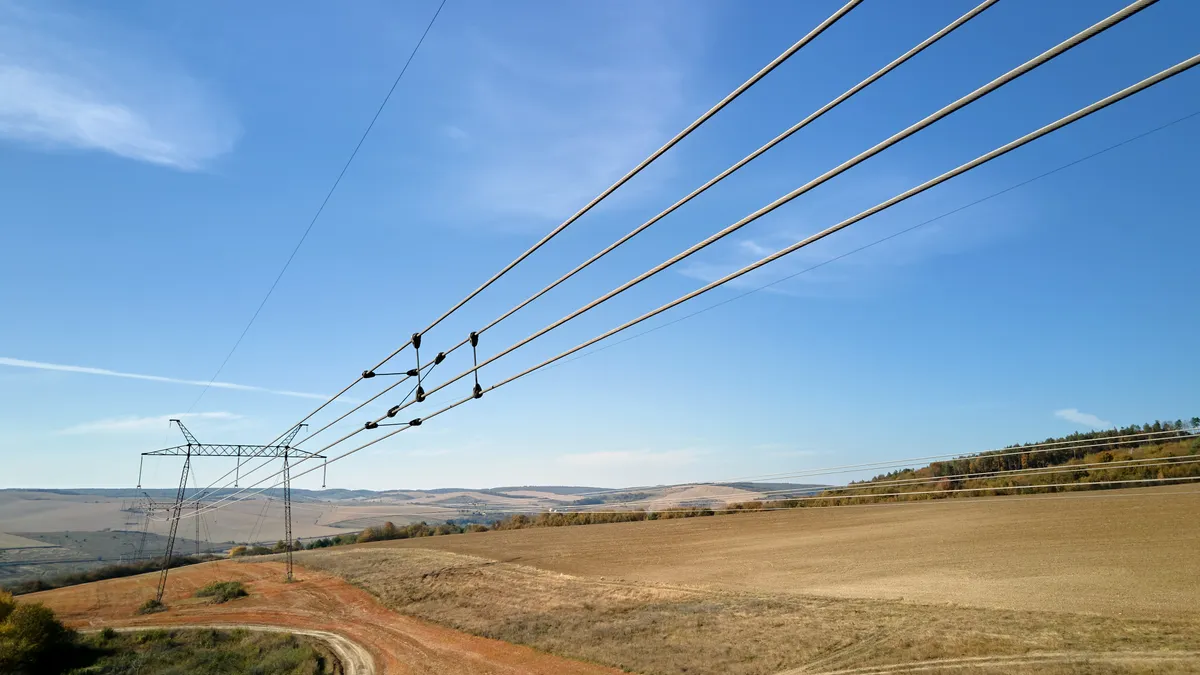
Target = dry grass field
(12,541)
(1105,582)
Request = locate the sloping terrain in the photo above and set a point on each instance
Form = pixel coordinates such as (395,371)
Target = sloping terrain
(1115,552)
(317,602)
(1102,582)
(13,542)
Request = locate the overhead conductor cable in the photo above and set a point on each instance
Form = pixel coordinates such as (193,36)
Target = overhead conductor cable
(763,72)
(473,338)
(1047,129)
(975,95)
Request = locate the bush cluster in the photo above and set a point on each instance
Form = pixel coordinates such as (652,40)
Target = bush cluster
(32,640)
(222,591)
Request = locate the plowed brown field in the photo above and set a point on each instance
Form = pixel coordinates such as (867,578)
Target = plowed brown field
(318,601)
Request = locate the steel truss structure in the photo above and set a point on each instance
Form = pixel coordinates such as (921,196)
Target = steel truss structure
(194,448)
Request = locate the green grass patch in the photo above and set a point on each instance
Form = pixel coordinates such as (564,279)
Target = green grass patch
(223,591)
(203,652)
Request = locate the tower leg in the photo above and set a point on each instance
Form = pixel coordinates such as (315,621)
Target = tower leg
(176,512)
(287,511)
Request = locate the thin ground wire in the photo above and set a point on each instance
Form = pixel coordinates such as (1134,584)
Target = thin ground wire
(321,208)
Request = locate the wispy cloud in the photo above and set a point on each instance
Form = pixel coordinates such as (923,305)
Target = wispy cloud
(66,82)
(1086,419)
(852,260)
(133,424)
(552,122)
(629,459)
(38,365)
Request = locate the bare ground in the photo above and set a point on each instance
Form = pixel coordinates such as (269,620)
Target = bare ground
(1095,583)
(317,602)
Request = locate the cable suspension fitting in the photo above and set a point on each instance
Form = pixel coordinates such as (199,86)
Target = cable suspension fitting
(416,343)
(477,392)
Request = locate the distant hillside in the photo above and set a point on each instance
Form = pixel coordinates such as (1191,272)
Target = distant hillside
(782,489)
(1137,455)
(555,489)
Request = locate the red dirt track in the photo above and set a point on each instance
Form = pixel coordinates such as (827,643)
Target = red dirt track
(317,601)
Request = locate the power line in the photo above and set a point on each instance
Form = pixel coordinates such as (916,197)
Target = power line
(729,98)
(845,9)
(912,129)
(337,181)
(741,163)
(849,253)
(1047,129)
(1170,72)
(754,155)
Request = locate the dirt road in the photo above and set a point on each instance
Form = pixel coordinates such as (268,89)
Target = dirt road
(317,602)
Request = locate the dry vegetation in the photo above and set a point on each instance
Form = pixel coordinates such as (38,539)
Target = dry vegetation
(818,590)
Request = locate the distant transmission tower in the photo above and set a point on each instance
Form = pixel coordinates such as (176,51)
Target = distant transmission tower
(194,448)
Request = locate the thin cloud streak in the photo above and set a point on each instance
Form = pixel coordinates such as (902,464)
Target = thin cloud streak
(66,82)
(38,365)
(133,424)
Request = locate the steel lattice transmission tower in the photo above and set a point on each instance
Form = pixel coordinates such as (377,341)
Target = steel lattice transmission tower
(194,448)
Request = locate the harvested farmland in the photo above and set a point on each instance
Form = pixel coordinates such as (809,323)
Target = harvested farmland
(1063,583)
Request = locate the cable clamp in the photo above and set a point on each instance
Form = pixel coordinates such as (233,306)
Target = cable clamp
(372,425)
(474,339)
(368,374)
(441,356)
(416,340)
(413,372)
(477,392)
(393,410)
(420,393)
(415,423)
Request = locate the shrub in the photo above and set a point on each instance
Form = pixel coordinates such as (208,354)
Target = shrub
(151,606)
(7,605)
(32,640)
(223,591)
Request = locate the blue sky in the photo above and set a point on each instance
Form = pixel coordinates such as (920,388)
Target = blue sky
(159,161)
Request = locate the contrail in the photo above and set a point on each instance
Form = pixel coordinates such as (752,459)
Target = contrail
(38,365)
